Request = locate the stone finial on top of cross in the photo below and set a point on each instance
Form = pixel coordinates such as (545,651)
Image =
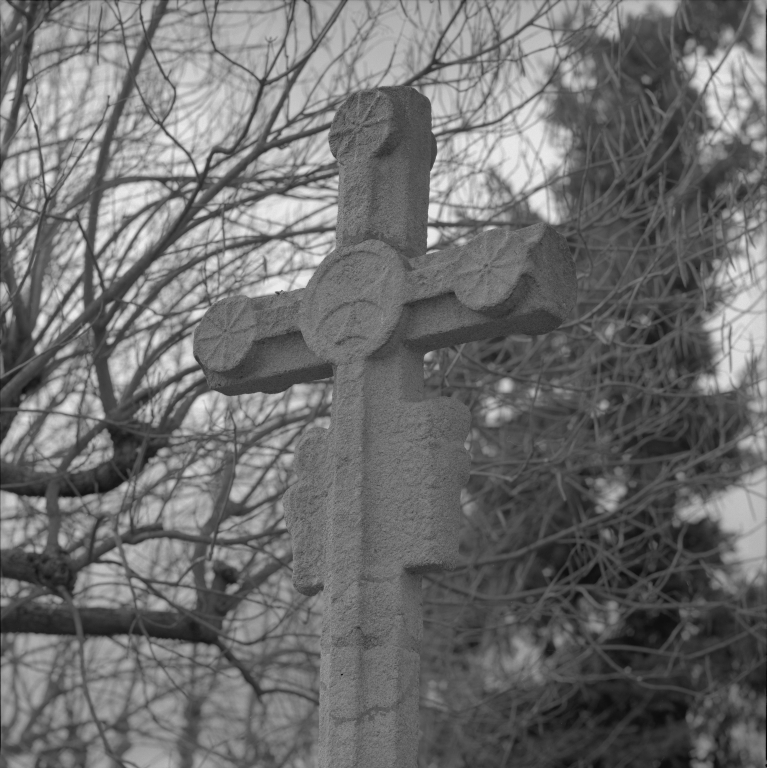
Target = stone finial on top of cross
(385,149)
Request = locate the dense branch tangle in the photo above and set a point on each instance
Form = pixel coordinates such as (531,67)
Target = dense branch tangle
(144,180)
(157,157)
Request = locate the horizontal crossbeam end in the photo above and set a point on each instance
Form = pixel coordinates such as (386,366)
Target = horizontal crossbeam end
(272,365)
(443,321)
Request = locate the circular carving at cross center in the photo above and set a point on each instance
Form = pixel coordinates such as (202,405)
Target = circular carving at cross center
(364,126)
(353,302)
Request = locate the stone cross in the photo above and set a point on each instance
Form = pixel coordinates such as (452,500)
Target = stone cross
(377,500)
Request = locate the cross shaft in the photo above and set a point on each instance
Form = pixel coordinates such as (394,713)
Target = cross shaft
(372,620)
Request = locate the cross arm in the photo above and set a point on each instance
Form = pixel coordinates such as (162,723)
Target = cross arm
(255,345)
(502,282)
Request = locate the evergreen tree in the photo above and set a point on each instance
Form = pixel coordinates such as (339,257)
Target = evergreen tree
(596,625)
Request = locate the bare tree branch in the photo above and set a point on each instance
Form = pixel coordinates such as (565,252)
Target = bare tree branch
(107,622)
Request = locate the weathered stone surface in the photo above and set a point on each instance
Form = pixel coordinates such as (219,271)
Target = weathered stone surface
(255,345)
(306,510)
(385,149)
(377,500)
(432,465)
(353,302)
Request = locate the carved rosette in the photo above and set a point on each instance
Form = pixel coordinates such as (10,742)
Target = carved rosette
(306,510)
(497,263)
(364,126)
(225,335)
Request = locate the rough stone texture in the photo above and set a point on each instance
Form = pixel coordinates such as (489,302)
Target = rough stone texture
(377,498)
(385,148)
